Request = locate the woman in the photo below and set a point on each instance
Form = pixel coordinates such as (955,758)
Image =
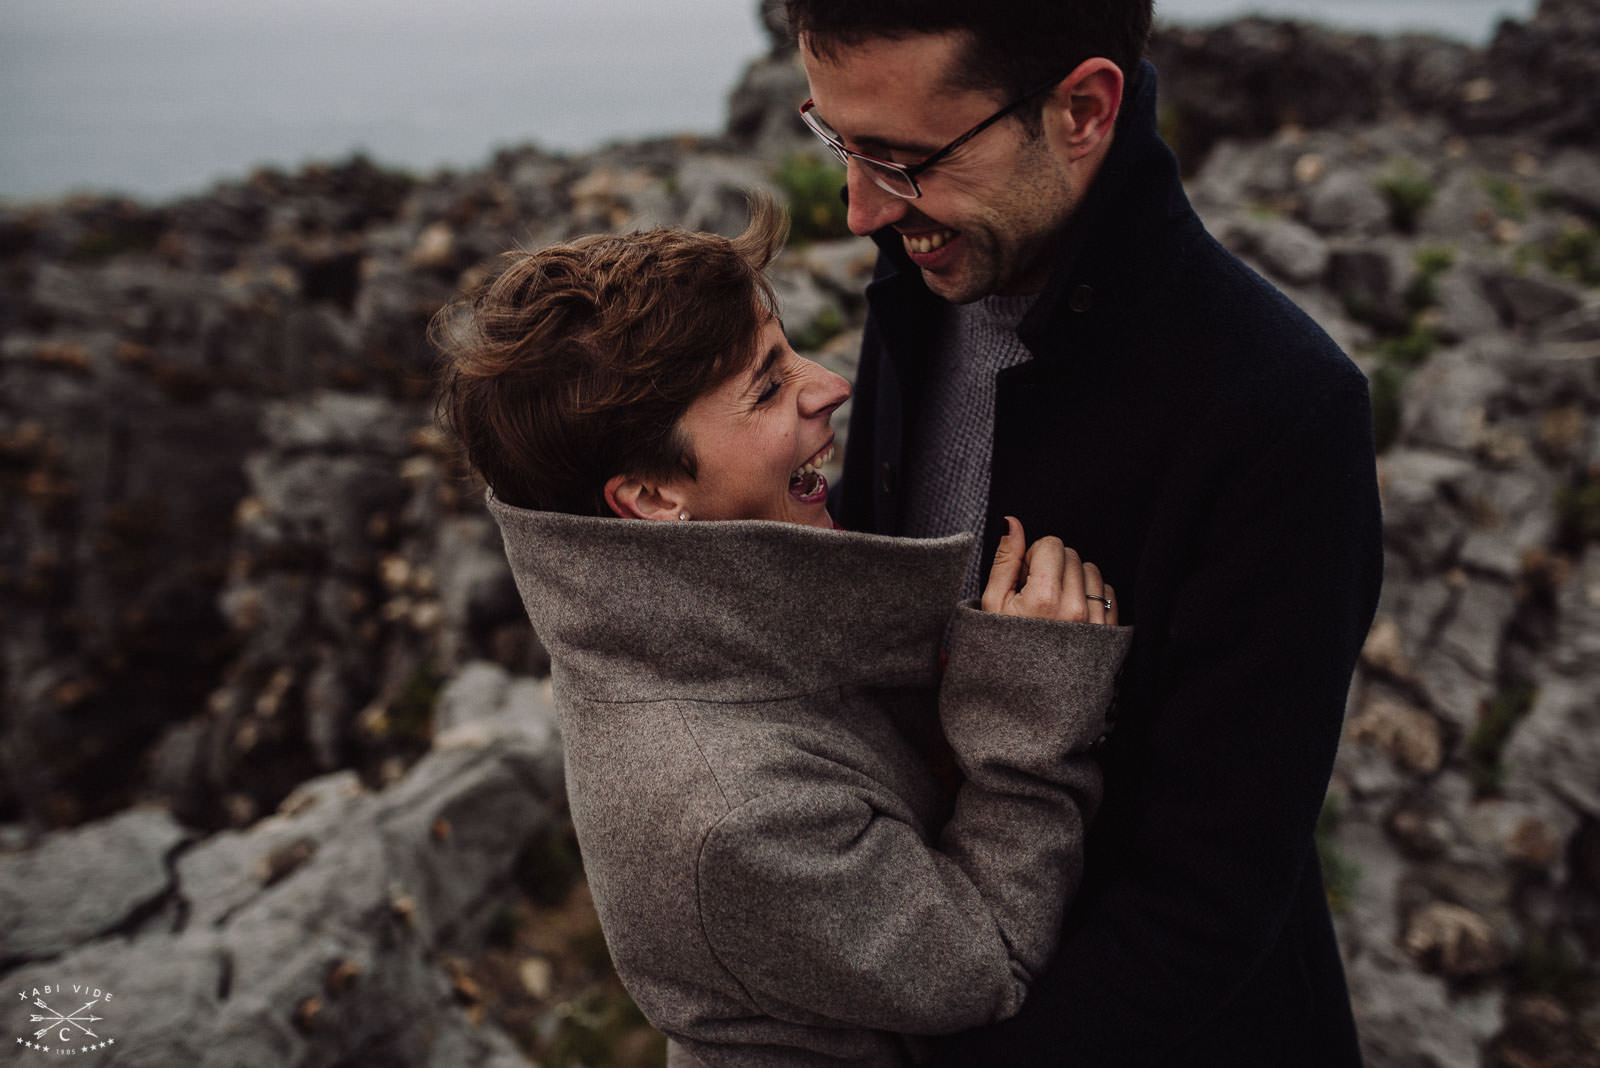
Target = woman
(751,708)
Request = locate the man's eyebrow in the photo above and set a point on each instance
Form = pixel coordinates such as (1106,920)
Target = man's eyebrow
(882,144)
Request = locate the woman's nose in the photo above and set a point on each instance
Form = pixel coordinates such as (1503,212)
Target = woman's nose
(823,391)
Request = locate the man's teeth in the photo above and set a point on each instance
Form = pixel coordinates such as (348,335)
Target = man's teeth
(927,242)
(812,466)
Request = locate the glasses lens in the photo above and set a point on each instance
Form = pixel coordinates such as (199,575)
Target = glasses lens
(814,123)
(889,179)
(883,175)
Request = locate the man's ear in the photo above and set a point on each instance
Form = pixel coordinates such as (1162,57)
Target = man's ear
(633,498)
(1087,102)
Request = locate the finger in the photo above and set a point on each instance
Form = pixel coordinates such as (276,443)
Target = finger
(1094,593)
(1006,571)
(1041,582)
(1074,603)
(1111,614)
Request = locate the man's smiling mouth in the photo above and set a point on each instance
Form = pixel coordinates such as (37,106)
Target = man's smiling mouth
(928,242)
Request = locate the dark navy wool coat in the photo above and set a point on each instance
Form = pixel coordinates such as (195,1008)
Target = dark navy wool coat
(1190,430)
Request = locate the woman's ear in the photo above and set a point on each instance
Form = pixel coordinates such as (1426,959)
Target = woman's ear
(632,498)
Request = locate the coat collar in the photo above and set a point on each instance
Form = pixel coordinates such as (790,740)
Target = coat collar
(736,611)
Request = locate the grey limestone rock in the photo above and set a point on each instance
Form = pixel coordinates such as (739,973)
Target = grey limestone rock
(763,108)
(85,883)
(483,700)
(1413,1019)
(1555,750)
(1464,310)
(1347,202)
(1457,668)
(1572,178)
(1527,301)
(1414,482)
(339,422)
(235,554)
(478,598)
(315,936)
(714,189)
(1288,250)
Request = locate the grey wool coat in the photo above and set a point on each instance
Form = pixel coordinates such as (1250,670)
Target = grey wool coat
(779,877)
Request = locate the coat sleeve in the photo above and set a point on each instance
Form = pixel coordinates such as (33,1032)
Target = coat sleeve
(1240,723)
(832,907)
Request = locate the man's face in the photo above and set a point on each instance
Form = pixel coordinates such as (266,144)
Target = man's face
(992,213)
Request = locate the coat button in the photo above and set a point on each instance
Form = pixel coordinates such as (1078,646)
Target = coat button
(1081,299)
(886,477)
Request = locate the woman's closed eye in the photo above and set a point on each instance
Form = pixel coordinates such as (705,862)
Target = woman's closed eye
(775,381)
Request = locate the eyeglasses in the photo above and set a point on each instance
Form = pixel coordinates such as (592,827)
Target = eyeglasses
(901,178)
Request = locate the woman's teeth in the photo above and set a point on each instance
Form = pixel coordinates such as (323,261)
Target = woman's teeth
(806,481)
(927,242)
(812,466)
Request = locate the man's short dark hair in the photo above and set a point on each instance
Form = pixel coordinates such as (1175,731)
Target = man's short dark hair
(1016,45)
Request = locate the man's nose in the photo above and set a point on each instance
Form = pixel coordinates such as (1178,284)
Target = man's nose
(870,206)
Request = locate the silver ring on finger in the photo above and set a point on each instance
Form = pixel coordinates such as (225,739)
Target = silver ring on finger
(1106,601)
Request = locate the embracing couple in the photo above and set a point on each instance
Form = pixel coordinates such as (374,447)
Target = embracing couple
(1008,749)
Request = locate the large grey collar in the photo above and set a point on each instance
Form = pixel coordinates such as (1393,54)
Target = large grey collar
(748,610)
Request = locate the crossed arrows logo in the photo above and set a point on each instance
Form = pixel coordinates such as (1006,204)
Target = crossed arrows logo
(55,1019)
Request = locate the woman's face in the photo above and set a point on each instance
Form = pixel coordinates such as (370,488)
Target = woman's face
(761,437)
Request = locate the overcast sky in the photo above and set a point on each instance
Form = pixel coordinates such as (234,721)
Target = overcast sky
(158,97)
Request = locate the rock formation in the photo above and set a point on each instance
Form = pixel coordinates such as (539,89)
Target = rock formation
(275,740)
(325,933)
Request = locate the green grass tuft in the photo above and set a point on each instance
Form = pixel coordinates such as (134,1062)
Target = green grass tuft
(1487,742)
(1407,191)
(826,326)
(1575,254)
(812,185)
(1340,875)
(1400,353)
(411,714)
(1506,196)
(1578,513)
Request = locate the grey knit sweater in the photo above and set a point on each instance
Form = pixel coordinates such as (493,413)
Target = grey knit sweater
(769,855)
(948,492)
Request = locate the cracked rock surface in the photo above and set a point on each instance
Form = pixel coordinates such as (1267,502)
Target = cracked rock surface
(317,936)
(273,728)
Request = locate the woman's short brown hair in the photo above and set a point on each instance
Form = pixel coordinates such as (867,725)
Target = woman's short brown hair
(575,363)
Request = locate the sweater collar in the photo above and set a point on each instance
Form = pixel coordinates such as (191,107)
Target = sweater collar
(751,610)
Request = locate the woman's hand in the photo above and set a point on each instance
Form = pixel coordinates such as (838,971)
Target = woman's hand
(1047,581)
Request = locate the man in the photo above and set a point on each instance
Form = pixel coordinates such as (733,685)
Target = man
(1053,335)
